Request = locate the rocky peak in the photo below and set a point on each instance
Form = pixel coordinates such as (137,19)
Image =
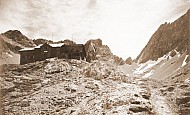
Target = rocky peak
(118,60)
(129,61)
(168,37)
(18,37)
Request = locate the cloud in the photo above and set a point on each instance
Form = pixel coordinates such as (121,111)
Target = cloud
(124,25)
(179,7)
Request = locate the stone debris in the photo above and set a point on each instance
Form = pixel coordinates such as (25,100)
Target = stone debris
(57,86)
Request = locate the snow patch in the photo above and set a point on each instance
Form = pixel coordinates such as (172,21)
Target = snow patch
(148,74)
(187,81)
(184,61)
(56,45)
(9,54)
(27,49)
(93,46)
(145,66)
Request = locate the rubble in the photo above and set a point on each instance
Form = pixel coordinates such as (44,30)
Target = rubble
(58,86)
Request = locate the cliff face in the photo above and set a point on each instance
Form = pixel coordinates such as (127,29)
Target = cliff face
(168,37)
(96,51)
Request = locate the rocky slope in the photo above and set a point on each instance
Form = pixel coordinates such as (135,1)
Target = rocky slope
(177,90)
(165,58)
(174,75)
(18,37)
(77,87)
(158,85)
(168,37)
(11,42)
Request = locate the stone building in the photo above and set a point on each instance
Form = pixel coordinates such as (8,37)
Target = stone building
(74,51)
(45,51)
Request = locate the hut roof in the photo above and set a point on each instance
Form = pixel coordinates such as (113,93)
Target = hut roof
(52,45)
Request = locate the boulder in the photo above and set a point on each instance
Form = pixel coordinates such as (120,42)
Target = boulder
(173,53)
(137,109)
(96,51)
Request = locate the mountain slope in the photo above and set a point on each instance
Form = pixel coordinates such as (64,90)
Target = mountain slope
(18,37)
(74,87)
(165,58)
(11,42)
(168,37)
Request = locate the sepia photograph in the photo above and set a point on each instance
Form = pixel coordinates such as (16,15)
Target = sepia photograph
(94,57)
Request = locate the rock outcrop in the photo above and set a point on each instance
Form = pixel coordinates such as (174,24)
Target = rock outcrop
(129,61)
(168,37)
(118,60)
(96,51)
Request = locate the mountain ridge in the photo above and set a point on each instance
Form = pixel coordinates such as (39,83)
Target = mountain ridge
(168,37)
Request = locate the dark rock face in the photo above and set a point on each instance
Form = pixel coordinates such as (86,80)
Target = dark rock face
(18,37)
(168,37)
(137,109)
(96,51)
(129,61)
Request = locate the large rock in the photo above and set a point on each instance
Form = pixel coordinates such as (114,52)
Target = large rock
(168,37)
(96,51)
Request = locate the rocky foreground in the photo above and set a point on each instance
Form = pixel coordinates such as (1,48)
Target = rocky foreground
(76,87)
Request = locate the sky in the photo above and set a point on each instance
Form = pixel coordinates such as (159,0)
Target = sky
(124,25)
